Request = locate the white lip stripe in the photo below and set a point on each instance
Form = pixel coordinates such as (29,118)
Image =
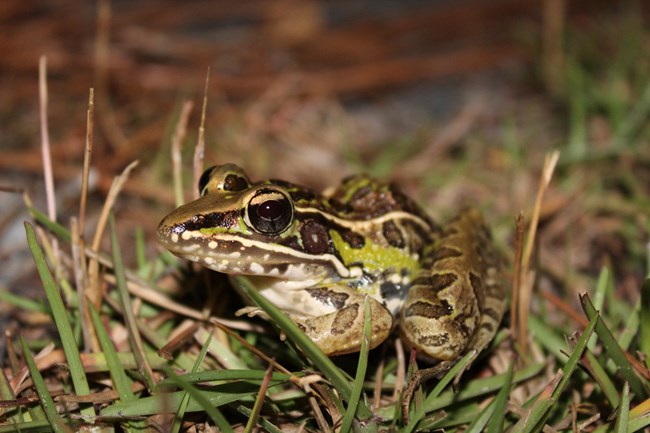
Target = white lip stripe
(367,223)
(340,267)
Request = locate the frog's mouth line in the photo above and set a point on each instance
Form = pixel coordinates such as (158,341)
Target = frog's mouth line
(236,255)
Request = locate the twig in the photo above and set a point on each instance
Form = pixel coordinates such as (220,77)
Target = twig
(45,147)
(199,151)
(177,142)
(526,280)
(81,279)
(94,293)
(90,119)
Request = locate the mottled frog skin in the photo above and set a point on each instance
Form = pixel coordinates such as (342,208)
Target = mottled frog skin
(317,256)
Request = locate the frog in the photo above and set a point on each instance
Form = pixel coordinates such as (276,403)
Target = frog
(318,255)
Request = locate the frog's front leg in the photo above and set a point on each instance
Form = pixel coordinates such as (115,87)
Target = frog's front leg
(332,317)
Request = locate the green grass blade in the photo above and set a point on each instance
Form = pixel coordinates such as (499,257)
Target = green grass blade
(200,398)
(7,393)
(447,378)
(639,423)
(22,302)
(644,328)
(180,413)
(120,379)
(540,410)
(500,402)
(216,396)
(61,320)
(229,375)
(636,119)
(127,309)
(478,423)
(613,349)
(480,387)
(600,375)
(599,299)
(322,362)
(53,227)
(621,425)
(56,422)
(223,353)
(266,424)
(140,248)
(29,426)
(632,327)
(550,340)
(357,385)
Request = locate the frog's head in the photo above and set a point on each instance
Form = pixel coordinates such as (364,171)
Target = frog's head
(269,228)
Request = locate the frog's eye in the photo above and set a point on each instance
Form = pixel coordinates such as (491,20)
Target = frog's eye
(269,212)
(227,177)
(234,182)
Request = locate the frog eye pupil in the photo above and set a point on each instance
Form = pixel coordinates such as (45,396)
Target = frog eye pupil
(269,212)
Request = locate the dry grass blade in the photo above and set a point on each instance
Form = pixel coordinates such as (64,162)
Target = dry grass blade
(81,279)
(93,291)
(134,334)
(259,401)
(45,138)
(88,150)
(45,146)
(525,292)
(177,143)
(199,151)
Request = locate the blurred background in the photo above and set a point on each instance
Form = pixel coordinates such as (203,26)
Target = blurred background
(458,101)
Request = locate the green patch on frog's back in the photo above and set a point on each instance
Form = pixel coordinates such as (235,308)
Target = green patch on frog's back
(374,257)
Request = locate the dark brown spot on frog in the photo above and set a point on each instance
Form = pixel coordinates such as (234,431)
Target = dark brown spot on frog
(328,297)
(430,310)
(434,340)
(291,242)
(302,195)
(461,321)
(390,290)
(280,268)
(355,240)
(492,314)
(488,327)
(361,193)
(422,280)
(233,182)
(393,234)
(315,239)
(446,253)
(477,286)
(214,219)
(416,231)
(345,319)
(442,281)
